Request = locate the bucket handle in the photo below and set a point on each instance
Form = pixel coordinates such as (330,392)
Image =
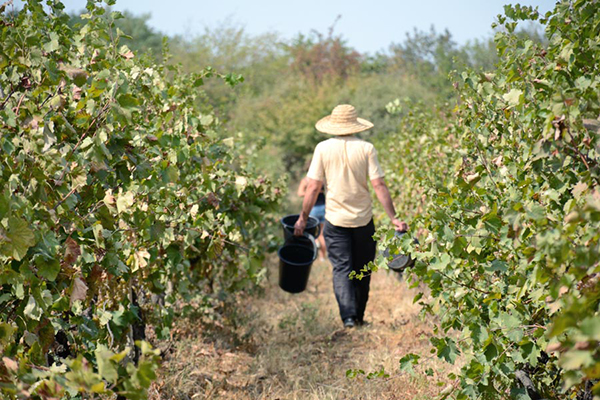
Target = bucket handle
(309,237)
(312,240)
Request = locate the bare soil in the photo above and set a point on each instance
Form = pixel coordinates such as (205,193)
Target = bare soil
(293,346)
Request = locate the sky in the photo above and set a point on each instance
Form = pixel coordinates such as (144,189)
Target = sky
(367,25)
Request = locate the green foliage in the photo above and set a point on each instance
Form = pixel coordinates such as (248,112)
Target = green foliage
(260,59)
(505,195)
(115,186)
(354,373)
(133,29)
(408,362)
(283,119)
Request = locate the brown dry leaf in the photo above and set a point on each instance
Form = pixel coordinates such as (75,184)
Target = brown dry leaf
(76,92)
(47,390)
(578,189)
(583,345)
(96,274)
(79,291)
(558,125)
(109,199)
(498,161)
(204,352)
(128,55)
(592,202)
(212,200)
(562,290)
(141,258)
(72,251)
(552,347)
(10,364)
(31,122)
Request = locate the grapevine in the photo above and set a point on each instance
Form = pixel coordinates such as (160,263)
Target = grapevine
(116,186)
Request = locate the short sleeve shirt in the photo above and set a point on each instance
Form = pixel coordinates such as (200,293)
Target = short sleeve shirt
(346,163)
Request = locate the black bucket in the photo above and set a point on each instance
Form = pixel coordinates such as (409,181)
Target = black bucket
(312,226)
(295,260)
(400,261)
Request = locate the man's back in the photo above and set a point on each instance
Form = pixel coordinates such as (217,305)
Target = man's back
(346,163)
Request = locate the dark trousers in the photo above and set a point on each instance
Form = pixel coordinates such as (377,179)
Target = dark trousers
(350,249)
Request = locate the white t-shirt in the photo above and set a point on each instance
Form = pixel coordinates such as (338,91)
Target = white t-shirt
(346,163)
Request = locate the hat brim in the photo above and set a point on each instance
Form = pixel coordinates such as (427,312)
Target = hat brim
(325,125)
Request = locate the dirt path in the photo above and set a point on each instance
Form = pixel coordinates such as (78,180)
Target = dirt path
(284,346)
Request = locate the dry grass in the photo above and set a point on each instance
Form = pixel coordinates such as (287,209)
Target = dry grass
(284,346)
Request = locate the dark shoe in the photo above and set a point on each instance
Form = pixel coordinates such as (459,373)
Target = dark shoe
(362,322)
(349,323)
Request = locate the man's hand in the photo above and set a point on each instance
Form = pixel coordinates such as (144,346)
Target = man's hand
(400,226)
(299,226)
(310,197)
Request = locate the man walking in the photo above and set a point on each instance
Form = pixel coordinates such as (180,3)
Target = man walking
(347,163)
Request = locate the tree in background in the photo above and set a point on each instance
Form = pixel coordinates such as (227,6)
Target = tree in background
(319,58)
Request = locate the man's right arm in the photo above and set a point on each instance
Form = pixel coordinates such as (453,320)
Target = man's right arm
(313,189)
(383,195)
(302,187)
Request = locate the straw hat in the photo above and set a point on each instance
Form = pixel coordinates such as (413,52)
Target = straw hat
(343,121)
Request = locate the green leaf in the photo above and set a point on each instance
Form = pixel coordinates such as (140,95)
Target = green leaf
(446,349)
(118,357)
(18,239)
(6,332)
(106,368)
(408,362)
(575,359)
(511,326)
(124,202)
(32,309)
(4,203)
(448,234)
(47,268)
(591,327)
(52,45)
(490,352)
(146,373)
(514,97)
(127,101)
(441,262)
(80,78)
(49,138)
(170,174)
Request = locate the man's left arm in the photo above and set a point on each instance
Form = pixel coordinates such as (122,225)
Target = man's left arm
(382,192)
(383,195)
(310,198)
